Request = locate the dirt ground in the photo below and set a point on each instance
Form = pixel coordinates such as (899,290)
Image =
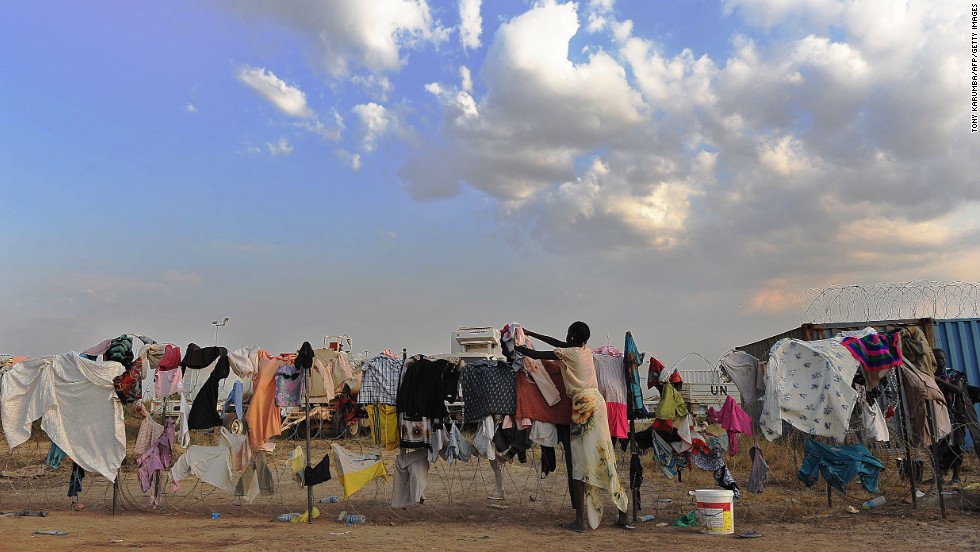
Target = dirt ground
(458,514)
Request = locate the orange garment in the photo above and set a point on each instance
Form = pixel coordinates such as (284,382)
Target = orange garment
(263,414)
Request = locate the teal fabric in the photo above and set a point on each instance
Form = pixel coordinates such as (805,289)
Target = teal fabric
(55,456)
(839,465)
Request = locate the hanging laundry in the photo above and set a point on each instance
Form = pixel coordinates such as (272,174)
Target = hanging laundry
(535,370)
(873,419)
(483,439)
(297,463)
(414,433)
(457,448)
(157,455)
(235,397)
(196,357)
(356,470)
(77,404)
(874,351)
(168,382)
(317,474)
(120,350)
(75,480)
(759,475)
(421,393)
(671,407)
(808,385)
(384,424)
(611,377)
(511,441)
(204,411)
(379,380)
(148,433)
(129,385)
(725,480)
(489,387)
(690,439)
(921,392)
(244,362)
(653,373)
(97,350)
(411,478)
(743,369)
(222,466)
(632,359)
(290,386)
(262,417)
(544,434)
(531,404)
(549,461)
(55,456)
(734,420)
(664,454)
(336,371)
(839,465)
(917,350)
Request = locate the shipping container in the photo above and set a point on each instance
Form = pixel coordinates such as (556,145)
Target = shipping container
(960,338)
(813,332)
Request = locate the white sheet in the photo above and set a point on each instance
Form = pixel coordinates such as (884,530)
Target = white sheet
(77,404)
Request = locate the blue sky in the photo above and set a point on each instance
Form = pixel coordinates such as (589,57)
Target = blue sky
(683,170)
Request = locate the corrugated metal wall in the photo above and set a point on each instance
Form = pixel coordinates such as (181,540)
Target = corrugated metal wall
(960,338)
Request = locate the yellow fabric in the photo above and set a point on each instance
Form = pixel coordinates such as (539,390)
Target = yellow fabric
(356,470)
(306,516)
(297,462)
(387,420)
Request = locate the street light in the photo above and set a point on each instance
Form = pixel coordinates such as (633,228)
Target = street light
(217,325)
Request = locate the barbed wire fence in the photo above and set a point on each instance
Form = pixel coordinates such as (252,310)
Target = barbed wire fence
(891,301)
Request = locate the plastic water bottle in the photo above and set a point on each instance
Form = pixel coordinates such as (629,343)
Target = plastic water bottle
(215,515)
(355,518)
(874,502)
(286,517)
(329,499)
(648,517)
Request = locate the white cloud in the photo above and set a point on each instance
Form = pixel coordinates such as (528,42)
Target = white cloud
(749,155)
(288,99)
(574,108)
(353,160)
(470,23)
(282,148)
(466,79)
(348,34)
(375,123)
(190,108)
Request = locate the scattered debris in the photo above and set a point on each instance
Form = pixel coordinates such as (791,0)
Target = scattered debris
(54,532)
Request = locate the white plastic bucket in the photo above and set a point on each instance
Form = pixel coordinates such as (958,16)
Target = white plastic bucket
(715,513)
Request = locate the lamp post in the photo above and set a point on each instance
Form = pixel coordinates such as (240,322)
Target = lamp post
(217,325)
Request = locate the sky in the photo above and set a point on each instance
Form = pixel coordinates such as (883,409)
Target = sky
(394,169)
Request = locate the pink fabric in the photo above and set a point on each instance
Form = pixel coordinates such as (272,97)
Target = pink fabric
(607,350)
(536,370)
(735,421)
(97,350)
(169,382)
(713,416)
(618,423)
(171,358)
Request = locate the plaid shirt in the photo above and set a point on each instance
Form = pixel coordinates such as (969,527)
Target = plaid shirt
(380,382)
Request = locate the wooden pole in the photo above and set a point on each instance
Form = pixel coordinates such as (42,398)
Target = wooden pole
(309,488)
